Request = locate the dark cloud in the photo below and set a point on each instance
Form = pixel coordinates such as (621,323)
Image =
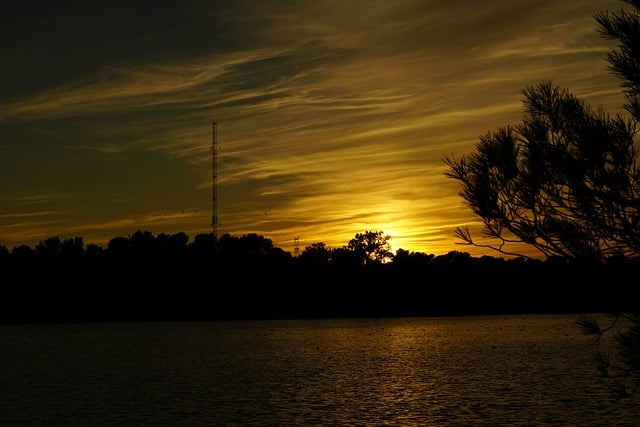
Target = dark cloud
(335,114)
(49,43)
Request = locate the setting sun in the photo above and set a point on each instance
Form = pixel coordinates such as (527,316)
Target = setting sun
(333,117)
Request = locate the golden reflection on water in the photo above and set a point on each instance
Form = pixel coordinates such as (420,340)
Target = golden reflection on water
(509,370)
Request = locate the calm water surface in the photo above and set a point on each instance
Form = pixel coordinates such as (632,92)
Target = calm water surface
(473,371)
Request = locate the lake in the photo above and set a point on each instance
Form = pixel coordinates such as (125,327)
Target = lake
(515,370)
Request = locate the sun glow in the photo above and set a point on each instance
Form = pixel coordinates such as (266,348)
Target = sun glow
(325,130)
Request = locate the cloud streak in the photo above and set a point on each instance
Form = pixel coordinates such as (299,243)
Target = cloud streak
(333,117)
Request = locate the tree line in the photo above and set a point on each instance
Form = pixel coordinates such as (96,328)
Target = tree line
(166,276)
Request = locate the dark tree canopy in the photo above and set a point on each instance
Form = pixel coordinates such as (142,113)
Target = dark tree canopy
(566,180)
(371,246)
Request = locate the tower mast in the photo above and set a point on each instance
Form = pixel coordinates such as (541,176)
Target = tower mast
(214,177)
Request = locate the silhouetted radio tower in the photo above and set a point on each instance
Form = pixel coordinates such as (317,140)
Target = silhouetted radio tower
(214,177)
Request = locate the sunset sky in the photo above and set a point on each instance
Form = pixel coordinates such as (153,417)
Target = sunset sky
(333,116)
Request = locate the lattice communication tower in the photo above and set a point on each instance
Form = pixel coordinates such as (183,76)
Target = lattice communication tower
(214,178)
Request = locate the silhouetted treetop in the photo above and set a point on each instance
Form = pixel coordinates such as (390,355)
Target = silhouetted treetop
(566,180)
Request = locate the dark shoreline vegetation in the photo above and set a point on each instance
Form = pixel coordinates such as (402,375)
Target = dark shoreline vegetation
(146,277)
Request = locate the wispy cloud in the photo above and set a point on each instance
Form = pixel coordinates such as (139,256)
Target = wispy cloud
(25,215)
(332,116)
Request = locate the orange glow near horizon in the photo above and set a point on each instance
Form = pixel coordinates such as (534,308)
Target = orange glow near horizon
(332,118)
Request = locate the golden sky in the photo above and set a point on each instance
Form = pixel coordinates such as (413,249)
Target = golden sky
(333,116)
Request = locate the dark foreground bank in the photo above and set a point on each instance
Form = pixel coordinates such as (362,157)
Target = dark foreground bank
(157,288)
